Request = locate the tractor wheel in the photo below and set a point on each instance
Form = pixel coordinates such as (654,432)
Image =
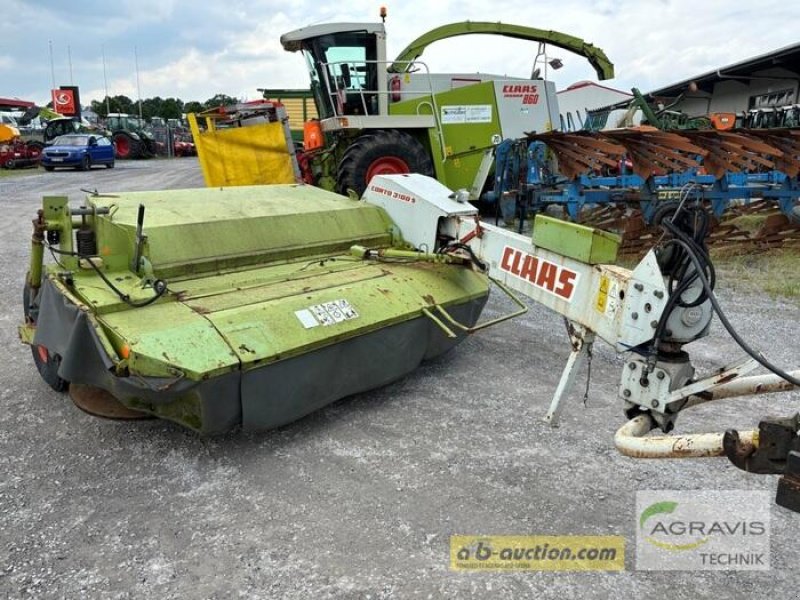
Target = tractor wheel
(794,215)
(664,210)
(126,146)
(46,363)
(382,152)
(34,146)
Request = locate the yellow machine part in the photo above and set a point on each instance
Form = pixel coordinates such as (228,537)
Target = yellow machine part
(252,155)
(8,133)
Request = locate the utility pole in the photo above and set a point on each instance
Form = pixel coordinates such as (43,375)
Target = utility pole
(138,86)
(105,82)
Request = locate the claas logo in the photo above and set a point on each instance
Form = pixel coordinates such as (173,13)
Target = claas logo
(543,274)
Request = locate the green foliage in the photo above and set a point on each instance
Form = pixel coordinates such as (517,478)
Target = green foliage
(774,272)
(220,100)
(117,104)
(166,108)
(193,106)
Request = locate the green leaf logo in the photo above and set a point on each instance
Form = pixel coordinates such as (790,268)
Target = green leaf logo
(656,509)
(666,507)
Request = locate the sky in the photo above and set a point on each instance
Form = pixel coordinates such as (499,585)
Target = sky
(194,50)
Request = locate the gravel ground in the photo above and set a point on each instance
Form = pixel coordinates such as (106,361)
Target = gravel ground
(359,499)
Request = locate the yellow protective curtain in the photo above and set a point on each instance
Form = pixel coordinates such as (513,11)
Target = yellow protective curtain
(251,155)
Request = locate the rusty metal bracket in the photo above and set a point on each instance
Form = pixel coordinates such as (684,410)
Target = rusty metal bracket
(438,322)
(632,440)
(522,310)
(707,384)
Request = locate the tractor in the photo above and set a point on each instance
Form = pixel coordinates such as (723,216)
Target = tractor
(129,137)
(386,117)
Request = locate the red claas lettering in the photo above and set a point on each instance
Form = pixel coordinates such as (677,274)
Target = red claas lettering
(542,273)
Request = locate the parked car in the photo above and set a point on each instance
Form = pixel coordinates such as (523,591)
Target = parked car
(79,151)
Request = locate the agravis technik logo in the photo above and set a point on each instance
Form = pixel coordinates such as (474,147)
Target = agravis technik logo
(702,530)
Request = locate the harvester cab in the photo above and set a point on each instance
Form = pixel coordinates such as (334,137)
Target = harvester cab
(343,61)
(378,116)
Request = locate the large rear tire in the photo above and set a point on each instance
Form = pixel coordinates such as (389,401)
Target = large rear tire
(126,147)
(381,152)
(35,146)
(46,362)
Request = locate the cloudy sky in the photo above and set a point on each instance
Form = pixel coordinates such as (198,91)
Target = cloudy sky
(193,50)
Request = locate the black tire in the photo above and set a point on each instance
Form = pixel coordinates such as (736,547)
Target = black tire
(46,362)
(380,152)
(86,163)
(110,165)
(150,148)
(49,168)
(664,210)
(126,147)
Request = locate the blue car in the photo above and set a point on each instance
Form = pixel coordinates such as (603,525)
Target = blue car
(78,151)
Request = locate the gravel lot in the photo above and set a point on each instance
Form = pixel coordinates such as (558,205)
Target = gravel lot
(359,499)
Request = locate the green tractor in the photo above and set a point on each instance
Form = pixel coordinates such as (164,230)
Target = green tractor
(386,117)
(130,138)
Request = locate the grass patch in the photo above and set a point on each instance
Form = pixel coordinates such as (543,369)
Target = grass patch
(749,223)
(775,272)
(12,172)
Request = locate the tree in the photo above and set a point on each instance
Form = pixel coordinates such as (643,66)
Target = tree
(172,108)
(120,104)
(220,100)
(167,108)
(193,106)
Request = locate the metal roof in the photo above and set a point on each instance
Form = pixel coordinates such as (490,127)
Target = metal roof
(15,104)
(787,58)
(291,41)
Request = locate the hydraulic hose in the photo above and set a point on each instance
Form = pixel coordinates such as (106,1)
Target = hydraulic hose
(699,272)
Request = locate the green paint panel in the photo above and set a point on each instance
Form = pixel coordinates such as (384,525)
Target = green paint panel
(466,134)
(586,244)
(218,331)
(200,230)
(239,264)
(170,338)
(379,294)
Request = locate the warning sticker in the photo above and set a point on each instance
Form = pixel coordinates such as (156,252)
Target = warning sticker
(326,314)
(602,294)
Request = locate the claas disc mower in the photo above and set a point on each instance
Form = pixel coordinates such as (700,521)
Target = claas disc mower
(253,306)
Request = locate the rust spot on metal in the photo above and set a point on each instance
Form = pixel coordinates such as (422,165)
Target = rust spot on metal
(727,378)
